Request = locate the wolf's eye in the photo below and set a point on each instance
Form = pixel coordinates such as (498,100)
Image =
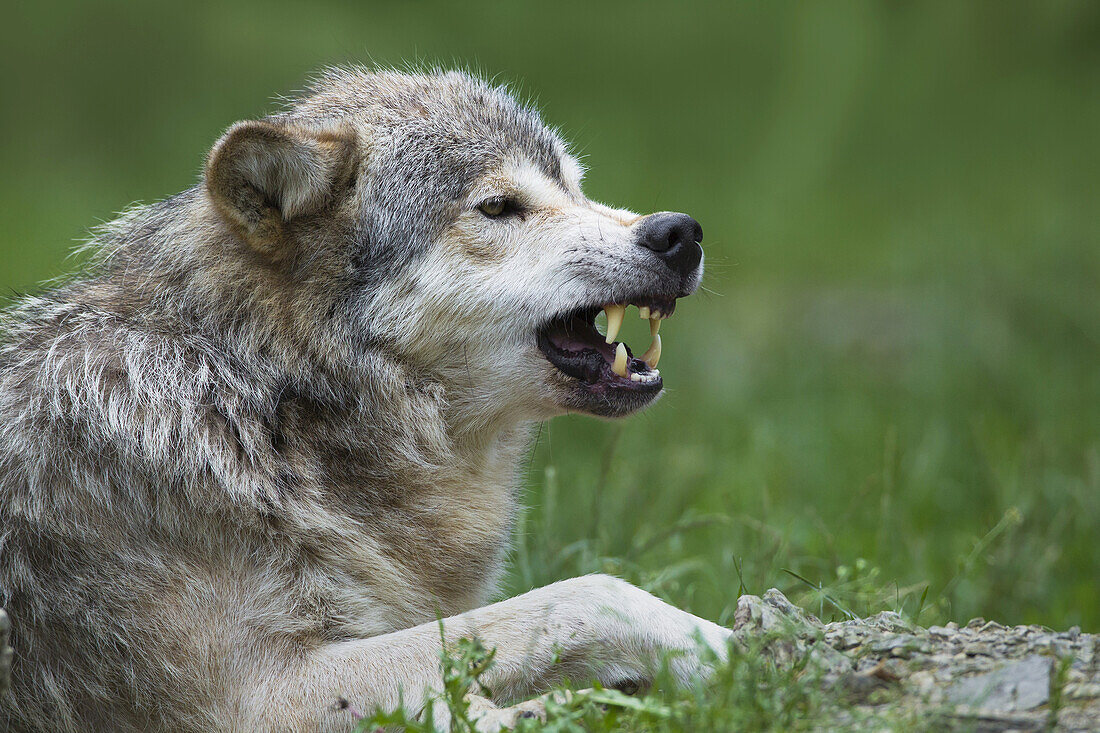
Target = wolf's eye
(498,206)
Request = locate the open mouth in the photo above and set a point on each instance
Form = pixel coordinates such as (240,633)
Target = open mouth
(572,344)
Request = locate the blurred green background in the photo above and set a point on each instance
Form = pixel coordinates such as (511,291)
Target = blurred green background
(892,381)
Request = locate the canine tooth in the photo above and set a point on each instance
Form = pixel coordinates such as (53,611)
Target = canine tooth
(615,315)
(643,311)
(619,367)
(655,314)
(653,354)
(654,326)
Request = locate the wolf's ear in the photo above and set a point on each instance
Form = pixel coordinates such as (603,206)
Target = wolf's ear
(263,174)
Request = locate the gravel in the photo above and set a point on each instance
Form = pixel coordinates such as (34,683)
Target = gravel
(982,676)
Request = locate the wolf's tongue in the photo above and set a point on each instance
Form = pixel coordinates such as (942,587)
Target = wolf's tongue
(578,359)
(578,336)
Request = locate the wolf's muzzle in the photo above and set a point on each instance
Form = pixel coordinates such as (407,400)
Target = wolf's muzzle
(674,238)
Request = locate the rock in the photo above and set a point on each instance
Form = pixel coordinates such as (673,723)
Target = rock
(899,645)
(1017,686)
(977,648)
(1083,691)
(890,621)
(773,612)
(779,602)
(983,677)
(923,682)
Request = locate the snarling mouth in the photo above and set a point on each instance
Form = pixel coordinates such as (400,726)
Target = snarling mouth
(572,344)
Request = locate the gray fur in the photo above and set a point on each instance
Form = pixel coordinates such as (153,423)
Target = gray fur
(432,135)
(216,457)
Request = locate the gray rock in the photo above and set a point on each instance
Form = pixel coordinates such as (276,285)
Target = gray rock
(977,648)
(1017,686)
(784,607)
(1083,691)
(899,645)
(982,677)
(773,612)
(890,621)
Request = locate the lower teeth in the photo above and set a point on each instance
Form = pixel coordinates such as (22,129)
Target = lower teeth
(620,361)
(620,365)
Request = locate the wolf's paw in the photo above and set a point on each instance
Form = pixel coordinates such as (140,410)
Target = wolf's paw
(489,718)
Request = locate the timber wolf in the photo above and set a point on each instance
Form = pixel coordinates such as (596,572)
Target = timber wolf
(275,429)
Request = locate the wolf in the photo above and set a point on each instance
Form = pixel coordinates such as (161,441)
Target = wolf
(273,433)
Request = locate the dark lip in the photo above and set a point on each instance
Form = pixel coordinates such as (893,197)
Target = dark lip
(591,368)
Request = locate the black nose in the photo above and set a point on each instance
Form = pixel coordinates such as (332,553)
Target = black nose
(674,238)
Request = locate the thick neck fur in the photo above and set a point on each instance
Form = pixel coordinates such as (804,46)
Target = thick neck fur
(233,395)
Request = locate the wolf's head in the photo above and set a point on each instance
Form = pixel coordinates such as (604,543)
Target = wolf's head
(450,229)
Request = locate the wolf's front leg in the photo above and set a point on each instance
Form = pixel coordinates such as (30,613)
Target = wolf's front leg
(590,628)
